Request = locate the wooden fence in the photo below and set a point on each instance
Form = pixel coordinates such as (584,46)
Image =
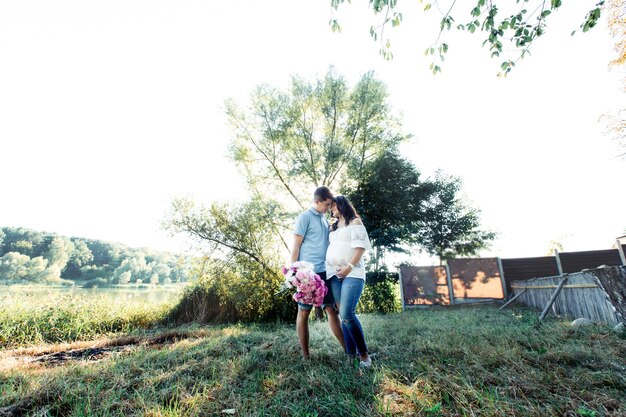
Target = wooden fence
(598,295)
(463,280)
(471,280)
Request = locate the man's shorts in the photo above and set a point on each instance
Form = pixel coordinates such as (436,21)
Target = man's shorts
(329,300)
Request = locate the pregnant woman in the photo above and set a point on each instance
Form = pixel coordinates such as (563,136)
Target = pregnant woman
(344,263)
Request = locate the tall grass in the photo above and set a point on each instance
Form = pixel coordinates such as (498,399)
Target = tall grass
(435,362)
(34,316)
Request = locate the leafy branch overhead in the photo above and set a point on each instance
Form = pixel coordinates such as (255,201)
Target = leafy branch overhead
(516,24)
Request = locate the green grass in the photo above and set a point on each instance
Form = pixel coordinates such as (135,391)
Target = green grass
(435,362)
(34,315)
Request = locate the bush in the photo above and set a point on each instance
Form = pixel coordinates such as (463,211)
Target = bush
(230,293)
(97,282)
(381,293)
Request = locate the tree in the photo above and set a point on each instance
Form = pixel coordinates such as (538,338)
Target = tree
(59,252)
(14,267)
(161,270)
(391,199)
(231,231)
(18,268)
(615,123)
(80,256)
(452,227)
(315,133)
(136,266)
(124,277)
(508,25)
(25,247)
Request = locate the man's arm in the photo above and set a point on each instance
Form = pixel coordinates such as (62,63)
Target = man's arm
(295,250)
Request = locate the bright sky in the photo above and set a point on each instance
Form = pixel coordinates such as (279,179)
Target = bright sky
(108,110)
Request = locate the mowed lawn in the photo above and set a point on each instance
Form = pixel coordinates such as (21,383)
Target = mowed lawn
(470,361)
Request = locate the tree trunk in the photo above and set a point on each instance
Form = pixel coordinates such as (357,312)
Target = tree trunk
(319,313)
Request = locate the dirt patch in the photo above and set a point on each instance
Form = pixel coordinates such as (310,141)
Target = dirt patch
(54,355)
(90,354)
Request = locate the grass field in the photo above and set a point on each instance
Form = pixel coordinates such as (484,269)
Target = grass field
(42,314)
(472,361)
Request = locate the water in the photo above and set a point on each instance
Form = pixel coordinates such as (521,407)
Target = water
(154,294)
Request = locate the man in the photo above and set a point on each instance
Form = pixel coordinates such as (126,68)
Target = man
(309,244)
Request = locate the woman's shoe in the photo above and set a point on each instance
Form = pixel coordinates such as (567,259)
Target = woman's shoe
(366,364)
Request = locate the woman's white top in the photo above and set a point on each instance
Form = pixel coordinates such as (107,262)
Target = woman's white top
(343,242)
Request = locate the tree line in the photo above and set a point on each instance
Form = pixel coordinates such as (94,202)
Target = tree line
(29,256)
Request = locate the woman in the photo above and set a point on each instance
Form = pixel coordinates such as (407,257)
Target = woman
(344,263)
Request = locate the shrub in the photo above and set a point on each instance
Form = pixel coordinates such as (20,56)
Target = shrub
(381,293)
(96,282)
(229,292)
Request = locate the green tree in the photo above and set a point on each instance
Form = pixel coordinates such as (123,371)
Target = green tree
(136,265)
(59,252)
(124,277)
(25,247)
(511,28)
(391,198)
(315,133)
(161,270)
(39,271)
(14,267)
(17,268)
(80,256)
(452,227)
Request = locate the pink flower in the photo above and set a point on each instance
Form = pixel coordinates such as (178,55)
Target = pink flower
(310,288)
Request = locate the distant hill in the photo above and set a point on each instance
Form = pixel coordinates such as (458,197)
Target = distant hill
(29,256)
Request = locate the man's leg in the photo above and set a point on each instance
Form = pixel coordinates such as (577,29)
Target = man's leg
(335,325)
(302,328)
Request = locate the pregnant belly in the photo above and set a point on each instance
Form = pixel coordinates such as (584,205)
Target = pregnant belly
(338,256)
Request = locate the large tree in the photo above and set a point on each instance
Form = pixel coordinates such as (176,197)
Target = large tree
(314,133)
(510,28)
(452,227)
(401,210)
(391,198)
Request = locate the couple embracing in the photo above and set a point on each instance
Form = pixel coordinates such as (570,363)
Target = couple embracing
(336,252)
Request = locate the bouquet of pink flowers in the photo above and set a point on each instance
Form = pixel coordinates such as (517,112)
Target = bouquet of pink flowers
(310,288)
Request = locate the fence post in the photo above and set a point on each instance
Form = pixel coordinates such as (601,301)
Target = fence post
(621,249)
(513,299)
(553,298)
(449,279)
(401,287)
(558,261)
(502,280)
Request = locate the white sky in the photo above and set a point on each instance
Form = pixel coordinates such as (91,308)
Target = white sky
(110,109)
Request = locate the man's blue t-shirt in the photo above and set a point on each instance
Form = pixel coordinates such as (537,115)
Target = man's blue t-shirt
(313,226)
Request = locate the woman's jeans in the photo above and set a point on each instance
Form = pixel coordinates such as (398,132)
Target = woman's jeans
(347,292)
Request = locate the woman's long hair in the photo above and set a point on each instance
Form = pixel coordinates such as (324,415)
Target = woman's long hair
(346,209)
